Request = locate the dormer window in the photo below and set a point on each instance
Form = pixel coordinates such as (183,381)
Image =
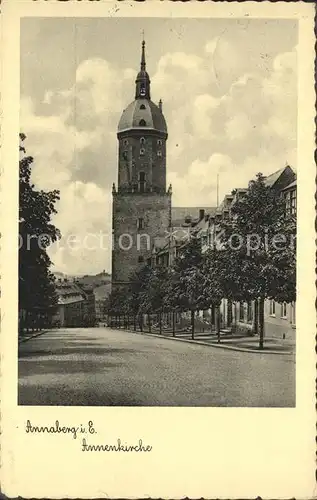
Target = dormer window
(142,106)
(142,151)
(142,123)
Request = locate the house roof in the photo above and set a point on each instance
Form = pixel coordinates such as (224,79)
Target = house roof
(290,186)
(179,214)
(70,300)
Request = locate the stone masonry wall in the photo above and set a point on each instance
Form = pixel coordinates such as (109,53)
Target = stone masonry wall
(154,210)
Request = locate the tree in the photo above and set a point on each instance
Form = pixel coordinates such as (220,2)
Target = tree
(189,280)
(134,301)
(258,250)
(154,293)
(117,304)
(37,296)
(214,281)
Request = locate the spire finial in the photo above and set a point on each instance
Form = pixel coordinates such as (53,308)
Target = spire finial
(143,64)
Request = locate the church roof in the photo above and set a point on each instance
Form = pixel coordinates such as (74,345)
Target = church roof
(142,114)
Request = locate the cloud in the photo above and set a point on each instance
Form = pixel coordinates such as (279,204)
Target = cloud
(226,114)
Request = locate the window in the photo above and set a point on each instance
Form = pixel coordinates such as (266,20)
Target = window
(141,182)
(125,142)
(140,259)
(284,310)
(159,153)
(142,123)
(140,223)
(142,106)
(293,202)
(125,155)
(142,140)
(159,142)
(142,151)
(142,90)
(272,308)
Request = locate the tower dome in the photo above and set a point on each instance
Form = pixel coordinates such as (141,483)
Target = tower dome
(143,113)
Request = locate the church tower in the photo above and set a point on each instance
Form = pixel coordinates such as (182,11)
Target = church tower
(141,209)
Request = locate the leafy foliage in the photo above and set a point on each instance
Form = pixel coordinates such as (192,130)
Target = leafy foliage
(36,233)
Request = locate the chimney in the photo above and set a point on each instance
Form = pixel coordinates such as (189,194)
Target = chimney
(160,104)
(201,214)
(206,217)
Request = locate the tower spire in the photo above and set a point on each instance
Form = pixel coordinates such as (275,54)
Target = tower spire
(142,80)
(143,63)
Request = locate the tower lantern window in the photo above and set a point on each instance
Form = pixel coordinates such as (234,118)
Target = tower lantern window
(142,123)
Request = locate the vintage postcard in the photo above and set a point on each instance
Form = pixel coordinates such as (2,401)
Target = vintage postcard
(157,271)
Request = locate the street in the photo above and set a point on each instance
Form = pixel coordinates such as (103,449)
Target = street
(103,367)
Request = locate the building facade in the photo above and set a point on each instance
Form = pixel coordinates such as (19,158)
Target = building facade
(141,209)
(76,304)
(279,319)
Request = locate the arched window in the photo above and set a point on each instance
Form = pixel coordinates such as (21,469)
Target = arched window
(142,140)
(125,142)
(159,142)
(141,182)
(142,123)
(142,151)
(142,106)
(140,223)
(159,153)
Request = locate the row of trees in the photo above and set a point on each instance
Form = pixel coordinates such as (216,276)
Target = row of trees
(37,295)
(252,257)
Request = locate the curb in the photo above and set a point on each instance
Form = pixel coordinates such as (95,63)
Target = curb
(210,344)
(32,336)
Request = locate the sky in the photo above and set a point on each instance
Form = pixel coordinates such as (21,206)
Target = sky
(229,92)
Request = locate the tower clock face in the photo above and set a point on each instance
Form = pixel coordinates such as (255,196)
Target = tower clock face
(142,92)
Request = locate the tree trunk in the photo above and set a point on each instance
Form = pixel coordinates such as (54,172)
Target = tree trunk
(229,313)
(256,318)
(134,322)
(217,321)
(160,322)
(173,321)
(141,322)
(149,322)
(261,322)
(192,315)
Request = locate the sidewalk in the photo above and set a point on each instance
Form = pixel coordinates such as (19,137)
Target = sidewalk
(23,337)
(228,341)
